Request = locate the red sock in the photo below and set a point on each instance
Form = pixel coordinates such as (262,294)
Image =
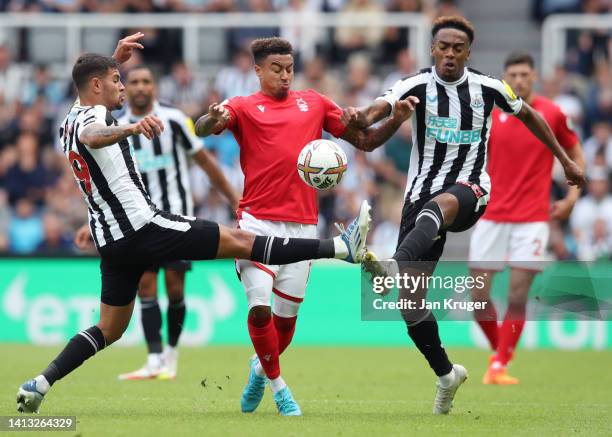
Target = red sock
(285,327)
(509,335)
(487,319)
(265,342)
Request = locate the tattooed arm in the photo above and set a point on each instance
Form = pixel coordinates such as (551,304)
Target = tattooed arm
(97,135)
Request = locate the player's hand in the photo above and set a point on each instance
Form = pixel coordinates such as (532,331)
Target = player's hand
(125,47)
(82,238)
(150,126)
(404,108)
(561,209)
(574,175)
(350,117)
(218,112)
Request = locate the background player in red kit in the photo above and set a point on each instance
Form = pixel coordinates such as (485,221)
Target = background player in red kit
(272,126)
(514,229)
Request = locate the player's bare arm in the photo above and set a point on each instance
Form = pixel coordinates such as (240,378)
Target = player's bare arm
(82,238)
(369,139)
(214,122)
(364,117)
(97,135)
(561,209)
(126,46)
(538,126)
(209,164)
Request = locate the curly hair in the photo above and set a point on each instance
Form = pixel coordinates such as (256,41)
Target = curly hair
(453,22)
(263,47)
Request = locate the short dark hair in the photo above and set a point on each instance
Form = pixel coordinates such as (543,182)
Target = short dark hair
(90,65)
(263,47)
(515,58)
(140,67)
(453,22)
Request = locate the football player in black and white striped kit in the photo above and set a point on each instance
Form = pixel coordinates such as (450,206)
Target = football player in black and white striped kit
(448,186)
(130,233)
(164,167)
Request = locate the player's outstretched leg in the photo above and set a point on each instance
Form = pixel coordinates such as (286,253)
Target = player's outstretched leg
(113,323)
(348,246)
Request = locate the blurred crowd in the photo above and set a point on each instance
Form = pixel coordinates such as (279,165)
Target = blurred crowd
(41,207)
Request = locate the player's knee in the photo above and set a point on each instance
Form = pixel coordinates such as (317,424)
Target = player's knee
(147,286)
(238,242)
(175,292)
(112,333)
(260,315)
(285,308)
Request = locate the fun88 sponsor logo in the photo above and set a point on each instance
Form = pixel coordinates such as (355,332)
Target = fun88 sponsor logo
(444,130)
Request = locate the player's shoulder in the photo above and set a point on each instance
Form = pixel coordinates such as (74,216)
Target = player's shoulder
(544,104)
(92,113)
(484,78)
(421,76)
(166,110)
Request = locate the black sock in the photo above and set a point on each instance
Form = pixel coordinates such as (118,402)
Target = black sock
(80,347)
(151,323)
(420,239)
(176,317)
(277,250)
(426,338)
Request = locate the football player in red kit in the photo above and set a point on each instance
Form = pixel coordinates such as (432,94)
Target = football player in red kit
(514,229)
(271,127)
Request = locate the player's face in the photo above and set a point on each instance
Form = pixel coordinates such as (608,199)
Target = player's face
(450,50)
(521,78)
(275,75)
(140,88)
(113,91)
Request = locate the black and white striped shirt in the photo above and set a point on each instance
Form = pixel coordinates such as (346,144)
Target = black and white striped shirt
(450,128)
(164,161)
(117,202)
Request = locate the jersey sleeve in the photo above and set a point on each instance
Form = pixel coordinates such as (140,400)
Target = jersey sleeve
(400,90)
(332,114)
(233,106)
(504,97)
(93,115)
(191,143)
(563,130)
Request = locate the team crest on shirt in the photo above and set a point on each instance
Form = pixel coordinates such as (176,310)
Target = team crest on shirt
(477,101)
(301,103)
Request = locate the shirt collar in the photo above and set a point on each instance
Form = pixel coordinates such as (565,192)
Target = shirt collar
(443,82)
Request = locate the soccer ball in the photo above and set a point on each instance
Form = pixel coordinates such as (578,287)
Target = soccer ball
(321,164)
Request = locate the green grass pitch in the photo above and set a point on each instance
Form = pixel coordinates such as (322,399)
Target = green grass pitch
(342,391)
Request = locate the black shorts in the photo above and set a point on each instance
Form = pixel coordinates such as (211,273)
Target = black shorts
(467,216)
(178,266)
(165,239)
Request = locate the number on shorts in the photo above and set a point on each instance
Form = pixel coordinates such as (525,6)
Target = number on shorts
(80,169)
(538,247)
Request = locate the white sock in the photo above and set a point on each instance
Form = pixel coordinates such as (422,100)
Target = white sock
(340,249)
(154,361)
(448,379)
(277,384)
(497,365)
(259,371)
(42,385)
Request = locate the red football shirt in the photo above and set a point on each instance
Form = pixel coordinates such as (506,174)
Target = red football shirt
(271,134)
(520,166)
